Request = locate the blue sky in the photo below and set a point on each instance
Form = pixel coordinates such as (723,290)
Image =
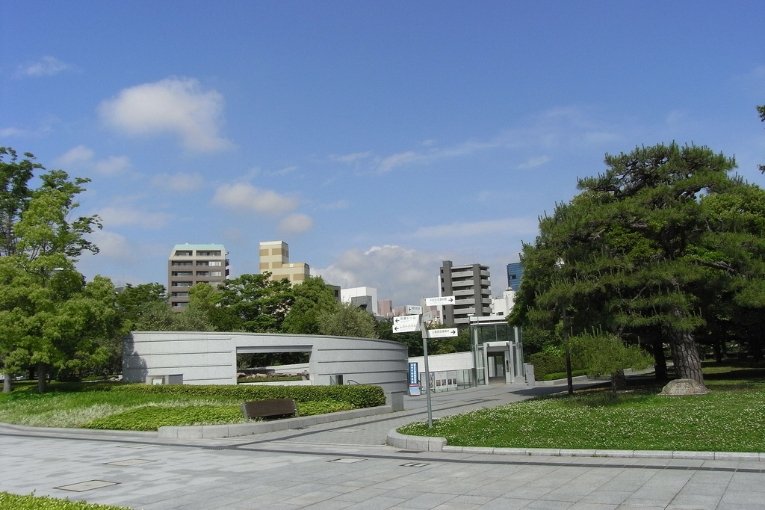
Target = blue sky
(376,138)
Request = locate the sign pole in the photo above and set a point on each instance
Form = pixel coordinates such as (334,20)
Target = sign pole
(427,372)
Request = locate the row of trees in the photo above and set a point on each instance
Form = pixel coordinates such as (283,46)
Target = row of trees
(663,248)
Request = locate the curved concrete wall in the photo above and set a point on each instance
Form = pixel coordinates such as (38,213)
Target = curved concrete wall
(210,358)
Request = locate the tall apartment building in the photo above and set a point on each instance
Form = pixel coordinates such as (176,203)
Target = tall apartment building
(471,289)
(190,264)
(275,258)
(514,275)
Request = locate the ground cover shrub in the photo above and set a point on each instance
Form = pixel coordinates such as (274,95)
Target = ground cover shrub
(145,407)
(32,502)
(727,419)
(547,362)
(154,416)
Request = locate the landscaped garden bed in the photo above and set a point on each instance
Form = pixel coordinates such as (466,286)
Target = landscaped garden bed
(145,407)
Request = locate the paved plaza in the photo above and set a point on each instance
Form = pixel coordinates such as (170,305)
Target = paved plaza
(346,464)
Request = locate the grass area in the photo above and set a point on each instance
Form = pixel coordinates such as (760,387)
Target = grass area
(32,502)
(729,418)
(95,406)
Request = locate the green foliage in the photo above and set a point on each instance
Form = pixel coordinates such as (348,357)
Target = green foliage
(347,320)
(546,362)
(358,396)
(145,407)
(636,420)
(155,416)
(645,251)
(606,354)
(252,303)
(32,502)
(48,317)
(312,298)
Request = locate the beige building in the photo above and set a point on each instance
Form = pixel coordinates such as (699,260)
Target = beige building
(190,264)
(275,258)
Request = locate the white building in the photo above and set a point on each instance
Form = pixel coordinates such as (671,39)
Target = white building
(365,297)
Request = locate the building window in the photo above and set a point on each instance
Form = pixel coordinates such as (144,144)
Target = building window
(216,273)
(183,253)
(182,273)
(203,273)
(182,284)
(215,263)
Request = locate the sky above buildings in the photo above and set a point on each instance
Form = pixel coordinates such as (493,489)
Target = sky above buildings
(376,138)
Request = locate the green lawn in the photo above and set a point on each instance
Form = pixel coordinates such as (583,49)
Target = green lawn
(129,407)
(31,502)
(729,418)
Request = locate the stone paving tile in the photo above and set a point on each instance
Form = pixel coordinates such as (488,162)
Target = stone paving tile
(582,505)
(507,504)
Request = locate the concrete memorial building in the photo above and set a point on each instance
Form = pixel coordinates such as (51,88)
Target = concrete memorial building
(193,357)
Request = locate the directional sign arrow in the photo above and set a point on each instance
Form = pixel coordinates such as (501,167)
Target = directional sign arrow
(406,323)
(439,301)
(442,333)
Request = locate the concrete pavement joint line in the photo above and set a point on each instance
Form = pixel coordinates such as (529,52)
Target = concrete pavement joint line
(438,444)
(448,459)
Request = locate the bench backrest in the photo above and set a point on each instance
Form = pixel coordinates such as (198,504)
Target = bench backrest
(269,408)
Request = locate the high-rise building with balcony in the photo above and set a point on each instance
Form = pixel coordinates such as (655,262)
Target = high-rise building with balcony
(190,264)
(471,289)
(275,258)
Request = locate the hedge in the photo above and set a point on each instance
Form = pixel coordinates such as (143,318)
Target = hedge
(358,396)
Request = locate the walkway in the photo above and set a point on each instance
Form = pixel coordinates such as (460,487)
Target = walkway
(346,465)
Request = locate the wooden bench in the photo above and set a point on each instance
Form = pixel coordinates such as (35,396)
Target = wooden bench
(269,408)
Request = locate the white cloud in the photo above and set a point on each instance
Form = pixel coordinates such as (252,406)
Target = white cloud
(178,182)
(84,157)
(12,132)
(111,245)
(559,128)
(244,196)
(534,162)
(351,158)
(46,66)
(402,274)
(176,106)
(296,224)
(112,165)
(505,226)
(133,216)
(76,156)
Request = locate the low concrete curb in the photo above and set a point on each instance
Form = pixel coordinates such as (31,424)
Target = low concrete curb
(438,444)
(260,427)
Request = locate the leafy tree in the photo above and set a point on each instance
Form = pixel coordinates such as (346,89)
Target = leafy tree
(312,298)
(39,244)
(347,320)
(606,354)
(131,300)
(252,303)
(629,242)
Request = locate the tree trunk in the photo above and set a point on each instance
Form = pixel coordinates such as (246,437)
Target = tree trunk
(618,381)
(659,360)
(686,357)
(7,384)
(41,377)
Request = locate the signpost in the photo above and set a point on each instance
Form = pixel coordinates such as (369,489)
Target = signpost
(439,301)
(413,309)
(407,323)
(442,333)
